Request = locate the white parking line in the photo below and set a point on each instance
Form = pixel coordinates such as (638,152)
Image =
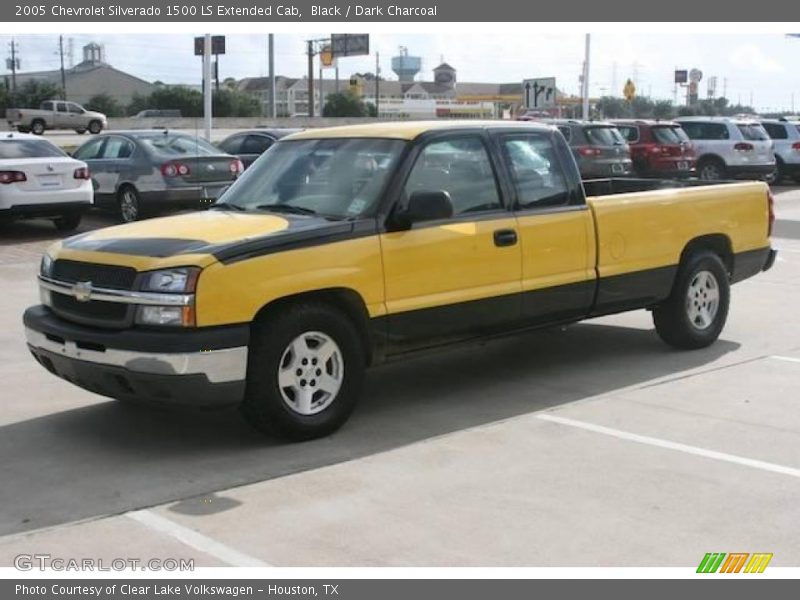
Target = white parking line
(786,358)
(651,441)
(195,540)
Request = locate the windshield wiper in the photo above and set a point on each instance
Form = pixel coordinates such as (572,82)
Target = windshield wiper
(287,208)
(227,206)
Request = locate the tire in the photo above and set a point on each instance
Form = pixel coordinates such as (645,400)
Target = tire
(129,204)
(779,175)
(37,127)
(95,127)
(711,169)
(288,398)
(80,131)
(695,313)
(68,222)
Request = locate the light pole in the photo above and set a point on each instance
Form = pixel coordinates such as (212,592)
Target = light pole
(586,78)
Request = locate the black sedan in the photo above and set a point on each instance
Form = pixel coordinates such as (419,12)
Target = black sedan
(249,145)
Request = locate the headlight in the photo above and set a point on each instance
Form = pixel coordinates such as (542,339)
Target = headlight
(46,266)
(170,316)
(182,280)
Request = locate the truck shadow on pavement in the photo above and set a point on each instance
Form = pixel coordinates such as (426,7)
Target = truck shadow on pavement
(111,457)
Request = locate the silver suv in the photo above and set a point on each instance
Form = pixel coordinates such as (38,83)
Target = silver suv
(785,135)
(730,147)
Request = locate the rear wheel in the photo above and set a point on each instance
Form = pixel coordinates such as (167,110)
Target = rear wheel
(68,222)
(305,370)
(711,169)
(695,313)
(130,206)
(37,127)
(95,127)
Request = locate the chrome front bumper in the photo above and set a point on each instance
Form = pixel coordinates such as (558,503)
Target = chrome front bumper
(219,366)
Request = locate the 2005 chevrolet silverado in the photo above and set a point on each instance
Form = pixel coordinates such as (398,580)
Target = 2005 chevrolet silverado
(345,247)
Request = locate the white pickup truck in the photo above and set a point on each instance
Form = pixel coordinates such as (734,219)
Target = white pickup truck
(56,114)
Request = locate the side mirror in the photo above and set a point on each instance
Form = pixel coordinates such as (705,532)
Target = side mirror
(425,205)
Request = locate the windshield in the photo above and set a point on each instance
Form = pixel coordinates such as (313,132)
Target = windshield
(29,149)
(753,132)
(178,145)
(667,135)
(603,136)
(338,178)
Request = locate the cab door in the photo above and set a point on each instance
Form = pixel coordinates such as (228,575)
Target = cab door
(458,277)
(556,229)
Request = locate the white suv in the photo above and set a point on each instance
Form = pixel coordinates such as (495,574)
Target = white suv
(729,147)
(786,137)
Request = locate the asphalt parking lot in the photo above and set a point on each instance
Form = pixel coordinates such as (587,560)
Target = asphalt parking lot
(590,445)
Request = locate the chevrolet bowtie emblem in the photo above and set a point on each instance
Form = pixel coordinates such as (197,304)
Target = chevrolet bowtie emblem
(82,291)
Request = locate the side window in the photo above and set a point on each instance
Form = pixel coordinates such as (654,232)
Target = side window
(776,131)
(462,168)
(535,171)
(90,150)
(716,131)
(117,147)
(256,144)
(61,107)
(74,108)
(232,144)
(565,131)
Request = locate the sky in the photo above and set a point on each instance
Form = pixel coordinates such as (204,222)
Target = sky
(758,67)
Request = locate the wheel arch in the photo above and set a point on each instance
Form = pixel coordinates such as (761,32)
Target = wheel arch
(347,300)
(711,157)
(717,243)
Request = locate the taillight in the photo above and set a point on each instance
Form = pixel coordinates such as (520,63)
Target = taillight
(236,167)
(588,151)
(12,177)
(82,173)
(175,169)
(771,212)
(743,147)
(796,146)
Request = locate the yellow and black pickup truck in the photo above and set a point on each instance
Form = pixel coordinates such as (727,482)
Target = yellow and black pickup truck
(344,247)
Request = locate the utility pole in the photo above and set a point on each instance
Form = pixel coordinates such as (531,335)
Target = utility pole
(207,85)
(586,78)
(63,74)
(310,78)
(273,113)
(378,84)
(321,92)
(14,62)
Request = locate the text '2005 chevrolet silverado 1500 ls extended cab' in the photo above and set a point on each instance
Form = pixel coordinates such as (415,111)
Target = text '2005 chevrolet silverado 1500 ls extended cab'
(341,248)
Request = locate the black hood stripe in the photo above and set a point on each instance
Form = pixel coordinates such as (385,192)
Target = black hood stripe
(152,247)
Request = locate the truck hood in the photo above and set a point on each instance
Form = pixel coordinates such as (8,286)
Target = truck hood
(197,239)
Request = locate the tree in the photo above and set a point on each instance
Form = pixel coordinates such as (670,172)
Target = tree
(234,103)
(105,104)
(32,93)
(344,105)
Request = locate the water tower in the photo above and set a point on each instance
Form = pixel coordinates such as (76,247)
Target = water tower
(406,67)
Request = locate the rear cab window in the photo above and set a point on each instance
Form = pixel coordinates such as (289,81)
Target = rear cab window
(603,135)
(666,134)
(753,132)
(29,149)
(535,171)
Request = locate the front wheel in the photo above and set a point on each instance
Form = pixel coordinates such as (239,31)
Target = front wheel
(711,170)
(305,370)
(695,313)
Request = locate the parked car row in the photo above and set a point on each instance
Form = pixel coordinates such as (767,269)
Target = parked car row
(710,148)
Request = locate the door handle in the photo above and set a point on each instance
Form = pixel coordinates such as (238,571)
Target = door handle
(505,237)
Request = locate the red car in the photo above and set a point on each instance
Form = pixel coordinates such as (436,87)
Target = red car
(658,148)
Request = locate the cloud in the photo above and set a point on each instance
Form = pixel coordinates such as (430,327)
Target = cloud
(750,56)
